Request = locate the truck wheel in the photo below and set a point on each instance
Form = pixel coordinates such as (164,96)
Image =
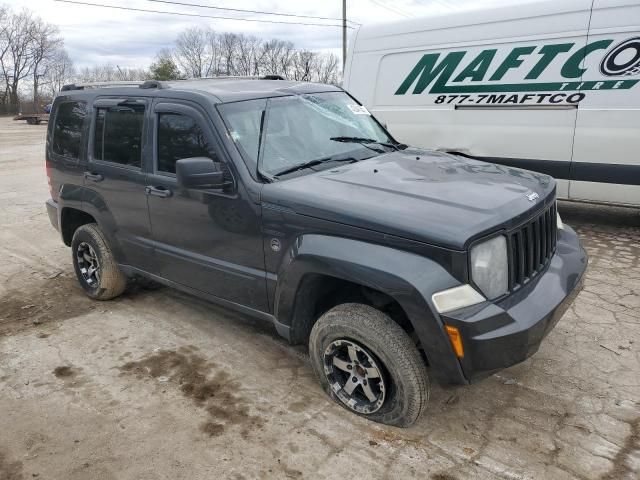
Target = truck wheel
(369,365)
(95,267)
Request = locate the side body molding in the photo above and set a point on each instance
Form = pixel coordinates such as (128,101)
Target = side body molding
(408,278)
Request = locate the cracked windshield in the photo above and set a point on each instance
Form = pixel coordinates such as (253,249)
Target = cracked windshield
(279,135)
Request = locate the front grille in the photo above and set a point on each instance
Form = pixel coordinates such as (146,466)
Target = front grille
(531,247)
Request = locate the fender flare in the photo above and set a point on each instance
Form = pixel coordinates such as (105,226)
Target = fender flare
(94,204)
(408,278)
(82,199)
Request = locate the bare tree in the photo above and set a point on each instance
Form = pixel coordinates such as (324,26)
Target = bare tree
(60,71)
(29,48)
(304,64)
(191,52)
(17,61)
(4,50)
(286,59)
(228,45)
(97,73)
(214,65)
(249,54)
(201,52)
(129,74)
(110,73)
(326,68)
(45,45)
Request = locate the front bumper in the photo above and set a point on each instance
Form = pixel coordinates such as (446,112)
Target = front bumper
(498,335)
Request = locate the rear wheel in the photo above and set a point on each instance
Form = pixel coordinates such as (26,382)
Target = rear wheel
(369,365)
(94,264)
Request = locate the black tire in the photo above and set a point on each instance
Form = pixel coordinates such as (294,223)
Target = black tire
(110,281)
(406,384)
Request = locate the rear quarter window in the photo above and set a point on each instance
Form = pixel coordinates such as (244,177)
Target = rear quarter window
(68,128)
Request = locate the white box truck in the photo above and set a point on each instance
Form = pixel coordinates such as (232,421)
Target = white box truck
(552,87)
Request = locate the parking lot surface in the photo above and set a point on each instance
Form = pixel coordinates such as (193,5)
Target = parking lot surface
(157,384)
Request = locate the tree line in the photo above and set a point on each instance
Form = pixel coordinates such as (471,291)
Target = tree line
(202,52)
(34,64)
(31,52)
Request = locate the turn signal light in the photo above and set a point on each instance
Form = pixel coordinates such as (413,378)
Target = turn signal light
(456,340)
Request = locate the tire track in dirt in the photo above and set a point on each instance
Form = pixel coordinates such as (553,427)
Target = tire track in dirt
(42,302)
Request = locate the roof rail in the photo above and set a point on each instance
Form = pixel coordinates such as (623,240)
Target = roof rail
(147,84)
(241,77)
(87,85)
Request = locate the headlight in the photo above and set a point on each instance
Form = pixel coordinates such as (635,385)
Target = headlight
(489,266)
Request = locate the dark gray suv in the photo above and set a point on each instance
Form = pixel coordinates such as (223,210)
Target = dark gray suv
(290,202)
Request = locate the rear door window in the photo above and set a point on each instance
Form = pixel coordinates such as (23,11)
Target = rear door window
(118,134)
(67,131)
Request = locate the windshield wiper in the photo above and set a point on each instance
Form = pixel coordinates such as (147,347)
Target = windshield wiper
(364,141)
(313,163)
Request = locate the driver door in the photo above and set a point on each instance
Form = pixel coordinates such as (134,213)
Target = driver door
(208,240)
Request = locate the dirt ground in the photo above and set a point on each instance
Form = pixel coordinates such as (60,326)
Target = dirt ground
(158,385)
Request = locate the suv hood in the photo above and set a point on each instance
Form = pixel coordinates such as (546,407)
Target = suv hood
(427,196)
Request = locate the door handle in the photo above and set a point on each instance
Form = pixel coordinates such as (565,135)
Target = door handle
(94,177)
(161,192)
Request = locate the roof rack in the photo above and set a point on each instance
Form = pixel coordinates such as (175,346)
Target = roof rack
(148,84)
(241,77)
(125,83)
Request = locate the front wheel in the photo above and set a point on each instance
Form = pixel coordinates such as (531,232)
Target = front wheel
(369,365)
(95,266)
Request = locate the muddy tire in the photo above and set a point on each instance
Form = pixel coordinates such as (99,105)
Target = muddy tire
(94,264)
(368,364)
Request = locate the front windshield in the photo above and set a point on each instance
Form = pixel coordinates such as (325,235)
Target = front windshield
(302,128)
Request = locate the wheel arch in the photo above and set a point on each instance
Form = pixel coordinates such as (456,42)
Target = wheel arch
(71,219)
(317,263)
(319,292)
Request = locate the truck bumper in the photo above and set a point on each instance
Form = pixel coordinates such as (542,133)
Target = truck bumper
(52,210)
(498,335)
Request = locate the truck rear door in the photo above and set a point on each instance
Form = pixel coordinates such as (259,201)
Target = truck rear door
(606,166)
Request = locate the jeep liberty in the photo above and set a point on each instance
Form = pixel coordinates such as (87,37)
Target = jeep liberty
(289,202)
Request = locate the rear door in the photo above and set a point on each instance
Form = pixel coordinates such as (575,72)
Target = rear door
(606,162)
(115,179)
(208,240)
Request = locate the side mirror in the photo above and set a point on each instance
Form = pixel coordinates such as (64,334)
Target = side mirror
(199,172)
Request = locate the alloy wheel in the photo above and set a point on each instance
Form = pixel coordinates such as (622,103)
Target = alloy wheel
(88,264)
(355,376)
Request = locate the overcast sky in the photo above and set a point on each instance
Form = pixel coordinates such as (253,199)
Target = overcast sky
(95,35)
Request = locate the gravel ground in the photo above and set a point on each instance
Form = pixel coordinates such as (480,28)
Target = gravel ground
(157,384)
